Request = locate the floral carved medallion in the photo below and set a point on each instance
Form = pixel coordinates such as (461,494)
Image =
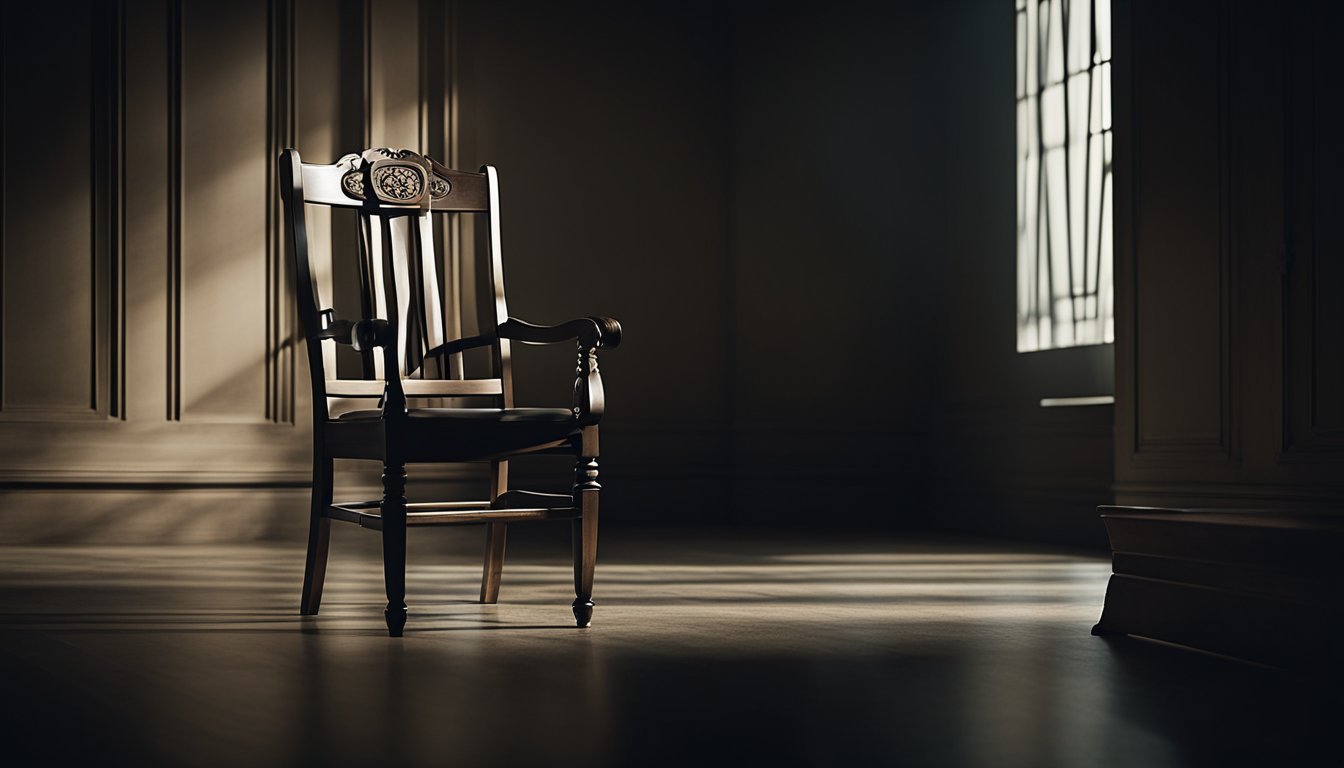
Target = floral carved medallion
(398,182)
(353,184)
(439,187)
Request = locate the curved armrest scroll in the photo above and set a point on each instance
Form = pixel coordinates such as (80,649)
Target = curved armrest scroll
(592,332)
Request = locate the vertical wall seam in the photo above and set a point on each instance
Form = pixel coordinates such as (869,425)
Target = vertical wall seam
(117,333)
(290,139)
(99,250)
(368,73)
(270,332)
(279,346)
(174,353)
(4,121)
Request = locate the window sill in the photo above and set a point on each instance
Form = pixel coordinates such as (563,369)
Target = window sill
(1077,402)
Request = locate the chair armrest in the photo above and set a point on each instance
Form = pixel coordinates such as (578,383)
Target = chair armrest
(592,332)
(460,345)
(363,335)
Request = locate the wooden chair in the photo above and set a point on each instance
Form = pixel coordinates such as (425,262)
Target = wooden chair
(396,193)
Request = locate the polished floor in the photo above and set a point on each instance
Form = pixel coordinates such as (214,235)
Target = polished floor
(706,649)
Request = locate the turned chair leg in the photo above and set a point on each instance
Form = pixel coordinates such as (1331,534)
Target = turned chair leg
(394,546)
(319,536)
(495,536)
(586,490)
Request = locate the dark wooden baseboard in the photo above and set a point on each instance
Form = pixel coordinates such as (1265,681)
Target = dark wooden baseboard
(1258,585)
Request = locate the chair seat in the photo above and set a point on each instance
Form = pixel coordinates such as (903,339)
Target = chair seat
(453,434)
(491,416)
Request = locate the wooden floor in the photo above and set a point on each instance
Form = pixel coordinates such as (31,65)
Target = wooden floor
(705,650)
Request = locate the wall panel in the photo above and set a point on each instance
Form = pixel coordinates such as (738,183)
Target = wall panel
(57,253)
(145,309)
(223,247)
(1181,245)
(1314,243)
(1229,366)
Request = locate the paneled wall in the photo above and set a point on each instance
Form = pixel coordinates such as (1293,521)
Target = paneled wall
(149,363)
(150,368)
(802,215)
(1230,336)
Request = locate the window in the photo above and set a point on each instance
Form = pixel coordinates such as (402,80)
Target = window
(1065,295)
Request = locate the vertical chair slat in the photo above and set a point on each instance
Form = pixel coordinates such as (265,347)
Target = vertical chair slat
(396,249)
(320,261)
(371,239)
(430,287)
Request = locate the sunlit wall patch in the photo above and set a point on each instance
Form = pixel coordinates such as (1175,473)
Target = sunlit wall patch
(1065,294)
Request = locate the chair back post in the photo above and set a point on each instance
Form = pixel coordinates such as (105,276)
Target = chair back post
(502,350)
(291,193)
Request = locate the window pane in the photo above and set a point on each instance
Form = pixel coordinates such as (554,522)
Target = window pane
(1064,291)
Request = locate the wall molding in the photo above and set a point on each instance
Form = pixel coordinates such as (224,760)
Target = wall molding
(281,309)
(174,266)
(1230,494)
(104,257)
(116,68)
(107,97)
(150,478)
(1305,437)
(237,477)
(1219,446)
(164,515)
